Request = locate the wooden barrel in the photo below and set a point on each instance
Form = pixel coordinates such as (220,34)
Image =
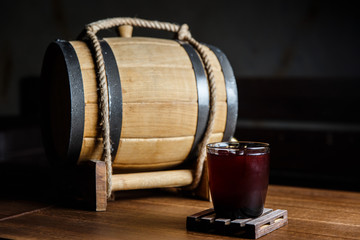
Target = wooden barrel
(158,102)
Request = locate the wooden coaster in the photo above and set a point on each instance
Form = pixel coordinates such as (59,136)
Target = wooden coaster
(206,221)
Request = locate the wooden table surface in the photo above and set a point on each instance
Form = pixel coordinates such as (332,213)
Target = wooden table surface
(313,214)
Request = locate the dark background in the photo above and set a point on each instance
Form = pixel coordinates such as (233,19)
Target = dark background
(297,65)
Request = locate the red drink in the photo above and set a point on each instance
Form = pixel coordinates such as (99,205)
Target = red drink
(238,178)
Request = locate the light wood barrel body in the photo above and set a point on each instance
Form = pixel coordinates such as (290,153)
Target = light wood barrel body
(158,102)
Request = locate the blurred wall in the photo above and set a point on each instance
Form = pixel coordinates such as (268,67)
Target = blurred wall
(262,38)
(297,65)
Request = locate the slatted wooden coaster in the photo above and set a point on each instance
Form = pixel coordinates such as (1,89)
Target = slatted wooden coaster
(206,221)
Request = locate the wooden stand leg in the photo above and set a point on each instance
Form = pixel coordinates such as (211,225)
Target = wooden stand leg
(203,190)
(91,179)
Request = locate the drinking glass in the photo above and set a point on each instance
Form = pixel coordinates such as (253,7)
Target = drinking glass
(238,178)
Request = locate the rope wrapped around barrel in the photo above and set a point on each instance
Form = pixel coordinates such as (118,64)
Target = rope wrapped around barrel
(183,34)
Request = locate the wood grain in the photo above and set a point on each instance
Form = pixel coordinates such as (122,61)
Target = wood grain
(254,228)
(141,41)
(158,84)
(154,120)
(151,154)
(154,153)
(134,54)
(96,184)
(11,208)
(159,101)
(125,31)
(157,179)
(161,215)
(148,120)
(267,223)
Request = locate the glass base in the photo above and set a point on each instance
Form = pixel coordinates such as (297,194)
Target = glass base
(238,213)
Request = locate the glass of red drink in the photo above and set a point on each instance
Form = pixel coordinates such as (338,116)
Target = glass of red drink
(238,178)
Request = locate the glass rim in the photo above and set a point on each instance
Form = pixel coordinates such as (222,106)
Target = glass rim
(250,145)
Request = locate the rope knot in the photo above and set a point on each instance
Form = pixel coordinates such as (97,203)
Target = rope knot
(90,29)
(184,33)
